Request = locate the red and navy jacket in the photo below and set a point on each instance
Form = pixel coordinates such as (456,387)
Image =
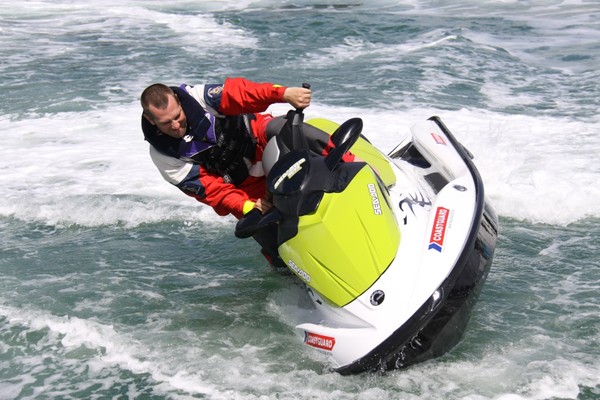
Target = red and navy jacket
(236,96)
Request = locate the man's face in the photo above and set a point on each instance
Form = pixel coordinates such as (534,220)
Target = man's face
(170,120)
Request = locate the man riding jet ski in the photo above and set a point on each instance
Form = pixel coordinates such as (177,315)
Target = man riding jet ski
(393,249)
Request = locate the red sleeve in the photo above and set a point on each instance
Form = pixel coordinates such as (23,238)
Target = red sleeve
(242,96)
(223,197)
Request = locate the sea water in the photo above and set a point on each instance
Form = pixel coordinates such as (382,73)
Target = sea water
(113,284)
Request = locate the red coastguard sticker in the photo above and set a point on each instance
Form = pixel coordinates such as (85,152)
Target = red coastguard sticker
(319,341)
(438,232)
(438,139)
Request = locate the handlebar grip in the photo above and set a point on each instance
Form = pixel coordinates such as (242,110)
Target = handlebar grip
(306,85)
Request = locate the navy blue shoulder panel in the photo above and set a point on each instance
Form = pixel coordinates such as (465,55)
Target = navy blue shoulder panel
(191,183)
(212,95)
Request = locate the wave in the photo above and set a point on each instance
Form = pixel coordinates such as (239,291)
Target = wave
(92,168)
(353,49)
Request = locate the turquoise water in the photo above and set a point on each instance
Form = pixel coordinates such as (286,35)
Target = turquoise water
(115,285)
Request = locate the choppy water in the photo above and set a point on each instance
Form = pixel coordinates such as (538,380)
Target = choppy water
(115,285)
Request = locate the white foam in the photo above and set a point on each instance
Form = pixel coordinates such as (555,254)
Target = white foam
(110,349)
(247,361)
(196,31)
(92,168)
(539,169)
(199,33)
(555,249)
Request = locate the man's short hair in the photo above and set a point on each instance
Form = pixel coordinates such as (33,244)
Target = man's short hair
(156,95)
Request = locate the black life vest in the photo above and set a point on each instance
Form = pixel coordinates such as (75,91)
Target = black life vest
(218,144)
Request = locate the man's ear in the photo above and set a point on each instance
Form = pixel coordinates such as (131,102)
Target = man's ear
(149,119)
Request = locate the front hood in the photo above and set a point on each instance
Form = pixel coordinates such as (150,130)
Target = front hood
(348,242)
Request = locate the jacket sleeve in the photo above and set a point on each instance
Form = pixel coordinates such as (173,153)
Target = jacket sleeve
(223,197)
(240,96)
(212,190)
(207,188)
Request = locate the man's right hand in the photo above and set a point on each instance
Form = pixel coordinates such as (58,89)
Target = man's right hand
(263,205)
(298,97)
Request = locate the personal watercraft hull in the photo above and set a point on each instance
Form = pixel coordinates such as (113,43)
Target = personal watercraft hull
(439,322)
(393,249)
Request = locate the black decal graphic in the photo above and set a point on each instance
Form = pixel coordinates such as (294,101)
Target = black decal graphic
(411,200)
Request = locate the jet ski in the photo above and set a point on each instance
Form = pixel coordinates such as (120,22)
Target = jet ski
(392,250)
